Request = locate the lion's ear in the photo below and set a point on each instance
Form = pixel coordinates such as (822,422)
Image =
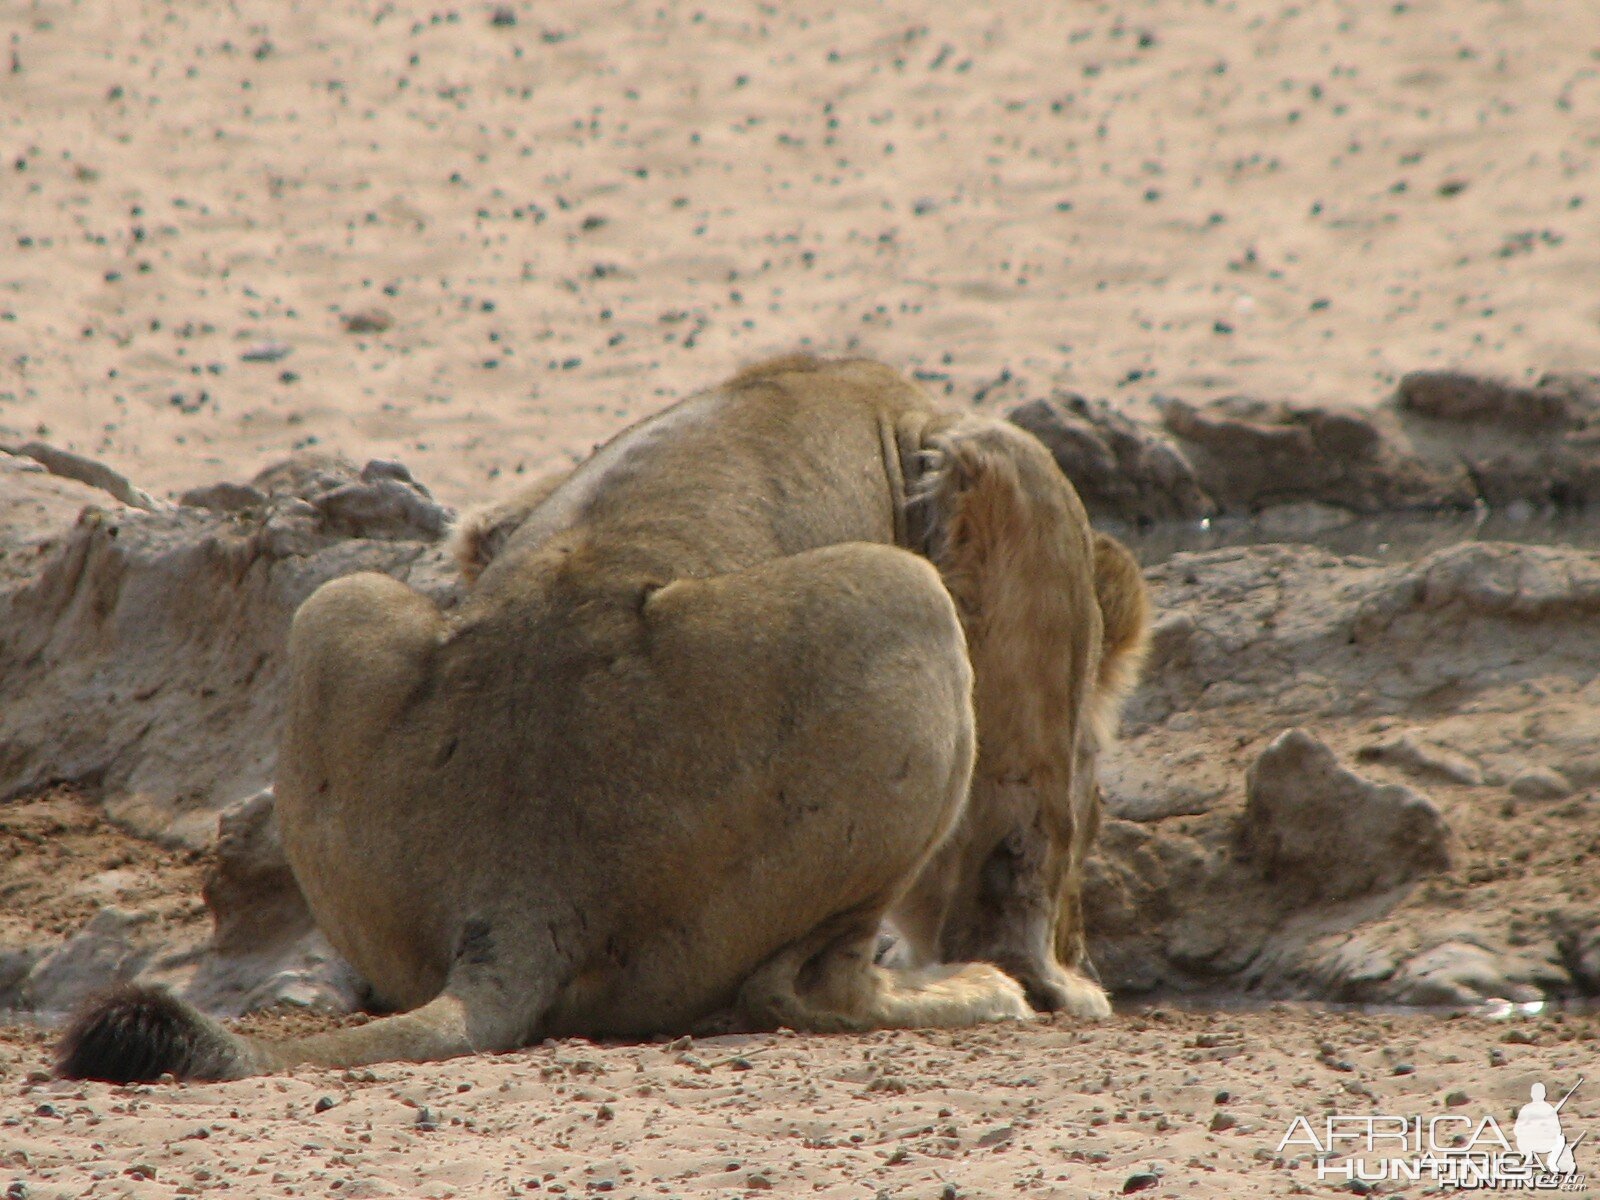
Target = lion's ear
(474,539)
(480,533)
(1125,614)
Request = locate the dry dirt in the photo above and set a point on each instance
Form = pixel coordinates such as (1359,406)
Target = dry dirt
(570,218)
(480,240)
(1200,1102)
(61,861)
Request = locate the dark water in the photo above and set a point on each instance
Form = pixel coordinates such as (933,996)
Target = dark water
(1392,538)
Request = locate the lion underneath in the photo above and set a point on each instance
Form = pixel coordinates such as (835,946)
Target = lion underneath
(799,655)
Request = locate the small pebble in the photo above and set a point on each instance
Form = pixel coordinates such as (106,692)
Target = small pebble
(267,352)
(367,320)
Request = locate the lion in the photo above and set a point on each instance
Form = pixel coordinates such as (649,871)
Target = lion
(797,658)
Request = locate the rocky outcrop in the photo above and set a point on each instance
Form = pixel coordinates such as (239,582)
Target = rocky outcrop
(1315,635)
(1331,834)
(1444,441)
(143,654)
(1248,857)
(1556,403)
(141,658)
(1123,471)
(1537,446)
(1252,454)
(265,948)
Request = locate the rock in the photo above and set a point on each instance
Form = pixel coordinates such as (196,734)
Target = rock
(381,500)
(1251,454)
(1457,973)
(1474,399)
(265,948)
(250,889)
(15,967)
(1120,469)
(1205,943)
(267,352)
(386,502)
(1139,883)
(104,952)
(1316,635)
(1567,736)
(1136,789)
(143,651)
(1540,783)
(305,474)
(1444,440)
(1414,754)
(1359,968)
(1537,446)
(1479,645)
(1329,833)
(224,497)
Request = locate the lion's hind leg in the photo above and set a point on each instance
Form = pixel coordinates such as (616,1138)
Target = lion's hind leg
(833,696)
(829,983)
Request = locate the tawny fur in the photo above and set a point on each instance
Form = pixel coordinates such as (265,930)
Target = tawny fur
(800,655)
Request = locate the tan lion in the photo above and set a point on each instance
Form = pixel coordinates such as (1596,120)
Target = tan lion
(796,656)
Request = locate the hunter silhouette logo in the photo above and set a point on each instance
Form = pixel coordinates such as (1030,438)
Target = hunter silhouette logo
(1452,1150)
(1538,1132)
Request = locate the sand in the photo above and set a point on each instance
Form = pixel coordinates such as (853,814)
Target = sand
(1198,1102)
(479,240)
(569,218)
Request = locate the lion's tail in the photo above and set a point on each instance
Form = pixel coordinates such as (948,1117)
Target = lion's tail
(136,1035)
(139,1034)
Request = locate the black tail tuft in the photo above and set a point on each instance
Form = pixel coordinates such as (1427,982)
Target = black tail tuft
(137,1035)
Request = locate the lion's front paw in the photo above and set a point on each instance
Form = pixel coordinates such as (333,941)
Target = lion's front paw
(994,995)
(1061,990)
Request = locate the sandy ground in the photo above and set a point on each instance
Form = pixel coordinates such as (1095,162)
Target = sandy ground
(481,243)
(1199,1104)
(572,216)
